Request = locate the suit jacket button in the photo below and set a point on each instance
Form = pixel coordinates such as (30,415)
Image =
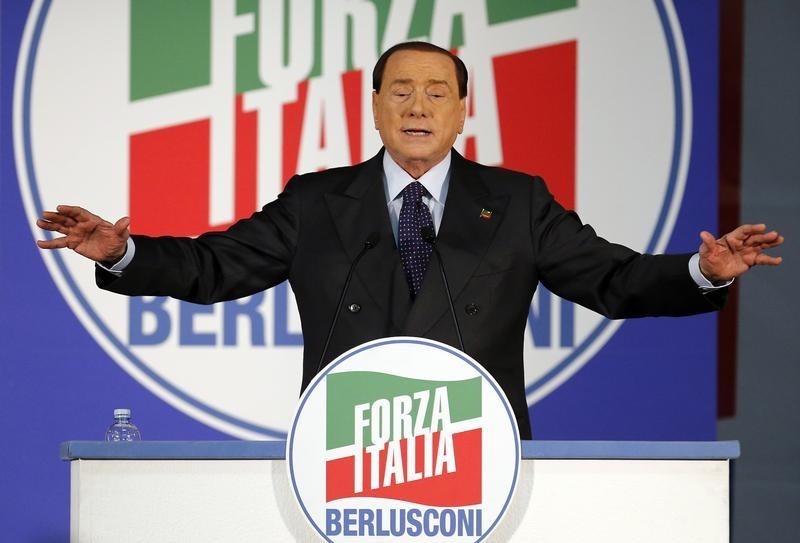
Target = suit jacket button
(472,309)
(354,308)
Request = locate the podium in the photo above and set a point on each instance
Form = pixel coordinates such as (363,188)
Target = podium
(239,491)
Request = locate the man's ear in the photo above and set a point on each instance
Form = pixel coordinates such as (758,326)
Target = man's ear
(375,109)
(462,114)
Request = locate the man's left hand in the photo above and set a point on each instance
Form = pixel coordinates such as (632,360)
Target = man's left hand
(736,252)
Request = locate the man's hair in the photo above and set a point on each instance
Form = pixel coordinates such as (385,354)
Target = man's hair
(461,69)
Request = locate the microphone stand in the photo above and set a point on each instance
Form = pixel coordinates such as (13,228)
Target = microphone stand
(369,243)
(429,236)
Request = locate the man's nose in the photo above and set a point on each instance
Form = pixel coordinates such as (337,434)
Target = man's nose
(417,108)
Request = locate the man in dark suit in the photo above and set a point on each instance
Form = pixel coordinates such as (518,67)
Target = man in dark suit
(499,232)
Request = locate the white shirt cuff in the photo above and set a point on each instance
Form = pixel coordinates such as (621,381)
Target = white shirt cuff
(120,265)
(700,279)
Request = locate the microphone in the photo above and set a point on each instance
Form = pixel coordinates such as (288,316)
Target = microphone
(369,243)
(429,235)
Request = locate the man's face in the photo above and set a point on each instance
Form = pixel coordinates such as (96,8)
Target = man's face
(417,111)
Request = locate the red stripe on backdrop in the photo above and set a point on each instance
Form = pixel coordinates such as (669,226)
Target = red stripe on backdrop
(459,488)
(351,85)
(292,129)
(169,180)
(536,102)
(246,156)
(730,150)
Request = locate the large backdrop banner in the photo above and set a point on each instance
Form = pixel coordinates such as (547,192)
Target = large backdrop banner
(187,115)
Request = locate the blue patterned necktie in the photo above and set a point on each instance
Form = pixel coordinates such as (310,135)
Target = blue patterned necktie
(415,252)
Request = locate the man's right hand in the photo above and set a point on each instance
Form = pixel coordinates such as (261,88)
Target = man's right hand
(85,233)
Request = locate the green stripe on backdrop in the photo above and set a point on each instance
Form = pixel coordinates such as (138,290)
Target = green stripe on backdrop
(500,11)
(170,46)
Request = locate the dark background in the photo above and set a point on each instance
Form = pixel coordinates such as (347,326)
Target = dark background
(767,421)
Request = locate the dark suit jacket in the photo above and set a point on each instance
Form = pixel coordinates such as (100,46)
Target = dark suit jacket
(316,227)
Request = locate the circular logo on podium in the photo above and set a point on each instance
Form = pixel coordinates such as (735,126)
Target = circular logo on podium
(404,438)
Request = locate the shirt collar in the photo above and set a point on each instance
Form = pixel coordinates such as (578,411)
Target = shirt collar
(434,180)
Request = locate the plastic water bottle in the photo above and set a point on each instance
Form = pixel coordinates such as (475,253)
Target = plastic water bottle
(123,429)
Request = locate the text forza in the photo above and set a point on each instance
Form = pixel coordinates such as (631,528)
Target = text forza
(393,427)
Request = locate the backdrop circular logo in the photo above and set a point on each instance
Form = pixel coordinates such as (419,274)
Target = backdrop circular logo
(403,437)
(187,118)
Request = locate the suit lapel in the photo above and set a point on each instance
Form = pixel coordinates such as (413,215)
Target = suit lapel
(357,211)
(463,239)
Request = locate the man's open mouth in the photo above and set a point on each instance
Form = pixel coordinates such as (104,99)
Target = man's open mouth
(416,131)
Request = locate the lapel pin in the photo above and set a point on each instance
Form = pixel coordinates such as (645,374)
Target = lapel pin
(486,214)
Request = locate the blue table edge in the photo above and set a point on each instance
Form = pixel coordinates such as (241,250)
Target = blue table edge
(276,450)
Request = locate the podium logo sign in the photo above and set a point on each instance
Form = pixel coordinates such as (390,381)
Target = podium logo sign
(407,438)
(403,430)
(190,115)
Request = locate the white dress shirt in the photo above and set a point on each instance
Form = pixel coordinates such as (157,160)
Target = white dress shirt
(436,181)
